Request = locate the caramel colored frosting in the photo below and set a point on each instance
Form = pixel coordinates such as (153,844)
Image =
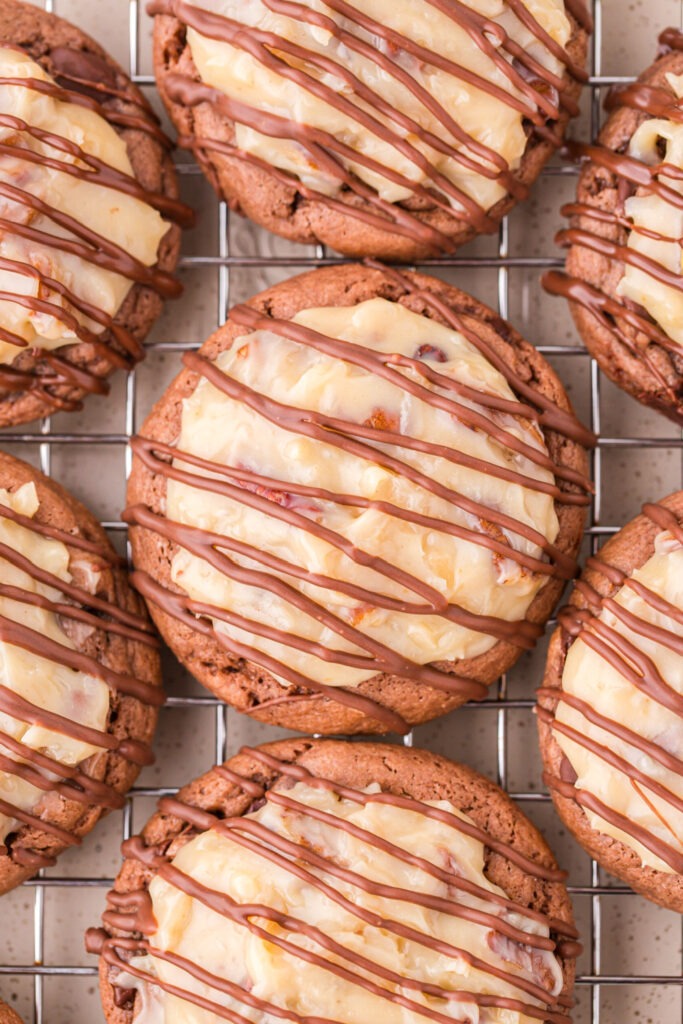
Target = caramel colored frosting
(619,721)
(329,903)
(344,501)
(391,99)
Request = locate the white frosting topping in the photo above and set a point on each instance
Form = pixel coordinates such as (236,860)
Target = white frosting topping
(122,219)
(590,677)
(653,213)
(189,928)
(228,432)
(64,691)
(487,119)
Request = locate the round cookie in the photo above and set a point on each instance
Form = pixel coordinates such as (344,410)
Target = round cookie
(81,146)
(340,824)
(611,729)
(7,1015)
(623,271)
(389,152)
(80,673)
(310,499)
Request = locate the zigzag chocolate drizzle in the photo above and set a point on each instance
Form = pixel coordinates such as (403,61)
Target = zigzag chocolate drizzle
(133,914)
(75,71)
(544,98)
(270,496)
(638,668)
(629,175)
(79,606)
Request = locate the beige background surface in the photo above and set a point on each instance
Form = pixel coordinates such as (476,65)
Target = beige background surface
(631,967)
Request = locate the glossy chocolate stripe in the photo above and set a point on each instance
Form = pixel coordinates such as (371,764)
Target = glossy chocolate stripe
(19,707)
(638,669)
(316,425)
(609,757)
(45,773)
(291,61)
(265,47)
(257,839)
(550,415)
(146,449)
(381,365)
(88,245)
(80,787)
(263,494)
(133,912)
(204,544)
(609,309)
(77,594)
(178,607)
(301,773)
(96,171)
(486,155)
(446,905)
(327,152)
(651,842)
(606,309)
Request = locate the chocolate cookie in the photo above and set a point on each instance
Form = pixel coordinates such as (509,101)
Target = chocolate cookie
(611,706)
(390,859)
(89,216)
(339,518)
(369,127)
(7,1015)
(79,674)
(623,274)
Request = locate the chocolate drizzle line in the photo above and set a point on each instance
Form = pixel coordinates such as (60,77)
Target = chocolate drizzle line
(133,913)
(272,497)
(629,174)
(78,606)
(635,666)
(92,84)
(545,97)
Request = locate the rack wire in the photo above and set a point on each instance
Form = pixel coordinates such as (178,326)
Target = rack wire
(594,980)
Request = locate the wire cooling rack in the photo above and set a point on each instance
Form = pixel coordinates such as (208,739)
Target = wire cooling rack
(44,970)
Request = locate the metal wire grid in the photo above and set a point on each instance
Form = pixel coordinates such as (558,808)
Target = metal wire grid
(499,705)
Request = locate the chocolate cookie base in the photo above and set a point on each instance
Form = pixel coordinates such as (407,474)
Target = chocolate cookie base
(7,1015)
(38,33)
(246,686)
(263,197)
(599,187)
(129,718)
(398,770)
(628,550)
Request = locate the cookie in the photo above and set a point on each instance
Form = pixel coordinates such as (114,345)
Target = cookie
(390,859)
(611,707)
(339,521)
(89,215)
(79,673)
(398,129)
(623,273)
(7,1015)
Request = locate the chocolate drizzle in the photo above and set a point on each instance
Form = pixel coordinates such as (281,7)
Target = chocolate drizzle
(540,96)
(623,654)
(77,606)
(605,232)
(131,914)
(88,81)
(273,497)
